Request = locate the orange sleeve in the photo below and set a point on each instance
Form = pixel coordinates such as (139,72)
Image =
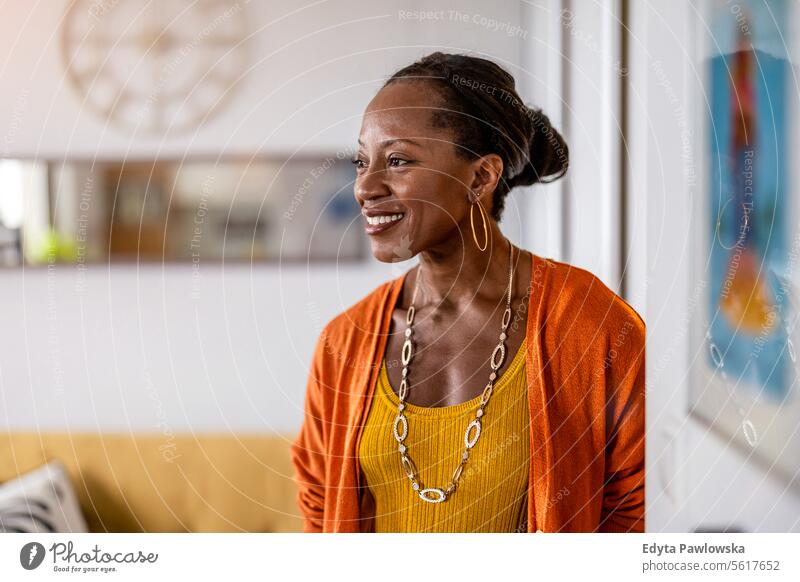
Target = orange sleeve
(624,479)
(308,451)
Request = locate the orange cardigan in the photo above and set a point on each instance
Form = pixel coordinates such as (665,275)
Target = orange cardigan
(586,388)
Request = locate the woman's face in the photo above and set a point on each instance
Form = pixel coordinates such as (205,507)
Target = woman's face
(407,168)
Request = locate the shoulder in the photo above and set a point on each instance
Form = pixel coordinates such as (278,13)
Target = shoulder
(581,293)
(590,337)
(359,319)
(577,307)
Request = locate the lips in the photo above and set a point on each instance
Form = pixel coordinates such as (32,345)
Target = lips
(380,222)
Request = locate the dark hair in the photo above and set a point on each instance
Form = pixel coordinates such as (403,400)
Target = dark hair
(482,107)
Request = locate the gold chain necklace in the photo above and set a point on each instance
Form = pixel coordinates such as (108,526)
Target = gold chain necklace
(473,431)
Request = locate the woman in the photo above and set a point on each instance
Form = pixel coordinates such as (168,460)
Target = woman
(487,388)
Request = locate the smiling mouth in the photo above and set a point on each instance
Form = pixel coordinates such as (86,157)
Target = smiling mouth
(376,224)
(384,219)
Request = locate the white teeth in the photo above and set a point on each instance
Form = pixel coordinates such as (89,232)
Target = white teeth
(383,219)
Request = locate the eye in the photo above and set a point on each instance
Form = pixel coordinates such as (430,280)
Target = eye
(397,162)
(358,163)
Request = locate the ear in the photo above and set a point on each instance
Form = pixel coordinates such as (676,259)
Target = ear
(487,171)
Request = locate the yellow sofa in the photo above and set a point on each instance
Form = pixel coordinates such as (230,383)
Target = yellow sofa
(181,483)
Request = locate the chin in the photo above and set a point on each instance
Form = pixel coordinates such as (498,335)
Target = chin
(392,250)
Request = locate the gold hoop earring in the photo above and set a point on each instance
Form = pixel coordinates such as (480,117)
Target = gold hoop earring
(472,224)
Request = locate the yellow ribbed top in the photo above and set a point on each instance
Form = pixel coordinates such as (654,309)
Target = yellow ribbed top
(492,492)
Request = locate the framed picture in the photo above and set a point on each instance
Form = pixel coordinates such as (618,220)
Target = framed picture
(296,208)
(744,381)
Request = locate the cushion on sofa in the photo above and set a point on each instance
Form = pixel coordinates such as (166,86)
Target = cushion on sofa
(41,501)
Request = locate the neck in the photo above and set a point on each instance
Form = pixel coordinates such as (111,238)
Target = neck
(456,272)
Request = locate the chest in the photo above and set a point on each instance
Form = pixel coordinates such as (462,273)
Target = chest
(493,486)
(452,353)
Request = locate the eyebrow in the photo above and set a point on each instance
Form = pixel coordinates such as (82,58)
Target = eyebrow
(389,142)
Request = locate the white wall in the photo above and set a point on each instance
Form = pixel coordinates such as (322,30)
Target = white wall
(542,80)
(152,348)
(575,65)
(130,348)
(590,40)
(312,68)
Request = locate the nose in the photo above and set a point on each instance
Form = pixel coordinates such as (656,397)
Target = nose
(370,185)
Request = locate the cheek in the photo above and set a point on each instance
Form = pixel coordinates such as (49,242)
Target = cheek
(433,198)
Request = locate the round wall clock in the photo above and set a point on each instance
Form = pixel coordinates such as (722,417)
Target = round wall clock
(158,66)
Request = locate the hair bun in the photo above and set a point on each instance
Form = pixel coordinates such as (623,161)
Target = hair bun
(548,154)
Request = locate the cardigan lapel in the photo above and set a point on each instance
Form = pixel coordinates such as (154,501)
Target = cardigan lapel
(541,475)
(377,324)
